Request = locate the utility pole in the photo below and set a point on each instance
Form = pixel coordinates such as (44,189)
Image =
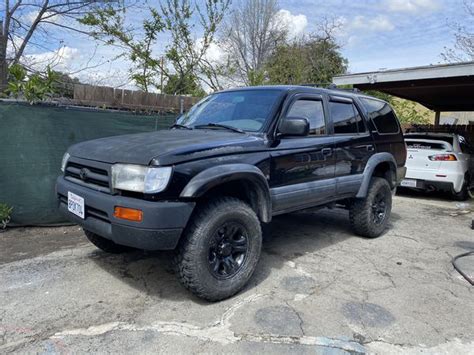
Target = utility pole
(161,74)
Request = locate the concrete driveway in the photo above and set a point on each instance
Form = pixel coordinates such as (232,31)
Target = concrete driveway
(318,289)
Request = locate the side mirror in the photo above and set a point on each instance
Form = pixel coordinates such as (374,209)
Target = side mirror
(294,126)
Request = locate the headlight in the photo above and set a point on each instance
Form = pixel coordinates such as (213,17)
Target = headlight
(66,157)
(140,178)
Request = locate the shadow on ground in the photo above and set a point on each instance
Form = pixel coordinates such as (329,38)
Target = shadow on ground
(291,236)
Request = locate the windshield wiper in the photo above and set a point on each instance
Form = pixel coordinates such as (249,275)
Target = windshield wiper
(177,125)
(230,128)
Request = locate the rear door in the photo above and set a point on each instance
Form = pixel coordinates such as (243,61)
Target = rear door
(353,144)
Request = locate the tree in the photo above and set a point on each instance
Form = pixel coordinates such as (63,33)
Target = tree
(182,57)
(314,59)
(23,21)
(463,49)
(250,37)
(187,86)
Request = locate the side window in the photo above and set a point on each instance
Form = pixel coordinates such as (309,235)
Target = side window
(382,116)
(313,111)
(465,146)
(346,118)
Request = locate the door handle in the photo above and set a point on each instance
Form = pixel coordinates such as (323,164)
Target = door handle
(326,151)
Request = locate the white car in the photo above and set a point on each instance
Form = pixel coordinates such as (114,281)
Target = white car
(440,161)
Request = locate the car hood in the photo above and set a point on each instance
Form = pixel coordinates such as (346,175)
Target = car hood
(166,147)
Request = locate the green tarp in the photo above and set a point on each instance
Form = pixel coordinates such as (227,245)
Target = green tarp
(33,139)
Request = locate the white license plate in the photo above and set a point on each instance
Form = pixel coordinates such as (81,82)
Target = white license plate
(75,204)
(408,183)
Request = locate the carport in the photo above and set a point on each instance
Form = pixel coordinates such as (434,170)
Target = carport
(441,88)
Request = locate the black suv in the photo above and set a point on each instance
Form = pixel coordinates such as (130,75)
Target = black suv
(209,185)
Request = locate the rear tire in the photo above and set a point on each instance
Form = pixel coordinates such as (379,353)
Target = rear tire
(369,216)
(466,191)
(105,244)
(220,249)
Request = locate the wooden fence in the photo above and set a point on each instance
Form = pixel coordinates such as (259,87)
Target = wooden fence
(107,97)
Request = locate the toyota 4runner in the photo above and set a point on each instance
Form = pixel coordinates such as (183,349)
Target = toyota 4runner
(208,186)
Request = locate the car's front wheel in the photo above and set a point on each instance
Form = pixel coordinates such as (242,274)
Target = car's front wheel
(369,216)
(220,249)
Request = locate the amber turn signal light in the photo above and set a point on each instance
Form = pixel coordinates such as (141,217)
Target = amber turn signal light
(129,214)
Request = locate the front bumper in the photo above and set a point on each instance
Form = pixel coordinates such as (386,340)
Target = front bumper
(162,225)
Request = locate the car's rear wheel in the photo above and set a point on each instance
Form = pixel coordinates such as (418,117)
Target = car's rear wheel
(369,216)
(105,244)
(467,191)
(220,249)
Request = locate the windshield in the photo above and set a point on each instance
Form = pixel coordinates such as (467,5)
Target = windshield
(246,110)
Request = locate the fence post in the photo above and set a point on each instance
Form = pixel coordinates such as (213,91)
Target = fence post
(181,105)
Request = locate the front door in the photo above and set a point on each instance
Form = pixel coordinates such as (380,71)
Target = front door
(302,169)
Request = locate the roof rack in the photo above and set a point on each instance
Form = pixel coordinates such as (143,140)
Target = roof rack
(335,87)
(331,86)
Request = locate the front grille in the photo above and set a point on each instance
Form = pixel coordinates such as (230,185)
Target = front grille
(89,176)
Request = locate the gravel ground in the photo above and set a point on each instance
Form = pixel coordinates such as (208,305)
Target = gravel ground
(318,289)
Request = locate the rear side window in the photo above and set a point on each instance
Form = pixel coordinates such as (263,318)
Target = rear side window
(413,144)
(346,118)
(313,111)
(381,115)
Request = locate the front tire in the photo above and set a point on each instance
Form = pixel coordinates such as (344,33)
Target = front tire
(369,216)
(106,245)
(220,249)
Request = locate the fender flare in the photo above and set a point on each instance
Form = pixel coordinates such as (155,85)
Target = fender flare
(370,167)
(218,175)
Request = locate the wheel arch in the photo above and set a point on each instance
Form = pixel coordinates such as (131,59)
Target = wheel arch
(240,180)
(382,165)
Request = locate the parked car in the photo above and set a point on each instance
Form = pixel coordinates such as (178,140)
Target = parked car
(440,161)
(239,157)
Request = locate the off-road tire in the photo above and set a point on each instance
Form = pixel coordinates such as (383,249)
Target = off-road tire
(465,193)
(192,255)
(361,214)
(106,245)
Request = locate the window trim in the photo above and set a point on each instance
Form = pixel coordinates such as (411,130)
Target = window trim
(347,100)
(308,97)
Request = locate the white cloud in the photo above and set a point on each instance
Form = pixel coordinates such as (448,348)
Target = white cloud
(60,59)
(31,16)
(412,6)
(295,24)
(378,23)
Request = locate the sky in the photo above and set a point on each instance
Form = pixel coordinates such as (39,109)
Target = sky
(373,34)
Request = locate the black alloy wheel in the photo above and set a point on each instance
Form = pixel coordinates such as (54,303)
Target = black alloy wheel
(228,250)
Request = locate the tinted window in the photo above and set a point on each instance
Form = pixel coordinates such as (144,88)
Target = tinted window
(346,118)
(313,111)
(382,115)
(465,146)
(414,144)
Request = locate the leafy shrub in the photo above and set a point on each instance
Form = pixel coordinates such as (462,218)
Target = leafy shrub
(5,213)
(35,87)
